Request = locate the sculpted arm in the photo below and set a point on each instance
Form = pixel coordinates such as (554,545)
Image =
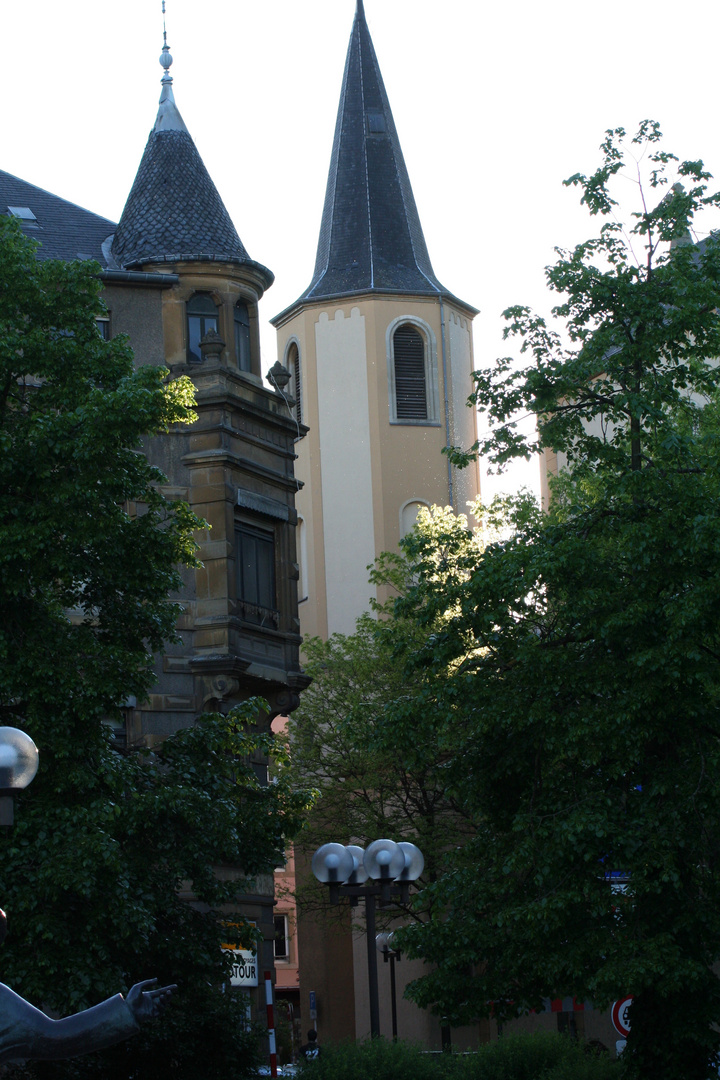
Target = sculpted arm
(26,1032)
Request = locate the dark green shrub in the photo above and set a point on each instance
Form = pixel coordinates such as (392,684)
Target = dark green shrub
(544,1056)
(374,1059)
(515,1057)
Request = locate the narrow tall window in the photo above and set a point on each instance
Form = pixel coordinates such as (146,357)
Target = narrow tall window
(256,575)
(202,315)
(242,336)
(282,951)
(410,379)
(293,364)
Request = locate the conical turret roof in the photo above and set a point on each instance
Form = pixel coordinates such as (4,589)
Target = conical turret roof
(174,211)
(370,238)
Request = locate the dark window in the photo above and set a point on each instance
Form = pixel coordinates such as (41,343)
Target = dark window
(242,336)
(261,772)
(409,361)
(103,325)
(376,122)
(256,575)
(202,315)
(294,365)
(281,938)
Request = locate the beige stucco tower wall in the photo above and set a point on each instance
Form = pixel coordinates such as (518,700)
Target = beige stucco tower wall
(365,472)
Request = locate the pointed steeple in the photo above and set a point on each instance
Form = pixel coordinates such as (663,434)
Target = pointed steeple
(174,211)
(370,238)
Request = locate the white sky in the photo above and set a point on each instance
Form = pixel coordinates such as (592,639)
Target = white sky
(495,104)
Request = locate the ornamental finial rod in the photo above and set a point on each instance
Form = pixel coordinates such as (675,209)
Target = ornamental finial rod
(165,57)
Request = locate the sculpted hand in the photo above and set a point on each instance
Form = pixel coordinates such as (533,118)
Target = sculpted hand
(146,1004)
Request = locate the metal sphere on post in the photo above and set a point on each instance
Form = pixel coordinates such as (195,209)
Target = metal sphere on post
(414,866)
(332,864)
(19,761)
(384,862)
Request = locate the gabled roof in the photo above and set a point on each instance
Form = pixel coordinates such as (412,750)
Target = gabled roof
(174,211)
(371,239)
(64,230)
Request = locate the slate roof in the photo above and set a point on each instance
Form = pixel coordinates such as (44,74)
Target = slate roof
(371,239)
(64,230)
(174,210)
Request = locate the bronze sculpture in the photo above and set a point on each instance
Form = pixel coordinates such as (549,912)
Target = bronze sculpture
(27,1033)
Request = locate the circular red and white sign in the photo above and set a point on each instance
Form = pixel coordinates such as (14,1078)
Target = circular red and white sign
(620,1017)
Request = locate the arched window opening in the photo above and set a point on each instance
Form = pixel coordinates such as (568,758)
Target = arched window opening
(409,515)
(242,336)
(202,315)
(293,366)
(410,378)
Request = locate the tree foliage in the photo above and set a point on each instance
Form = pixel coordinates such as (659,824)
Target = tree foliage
(627,356)
(368,783)
(126,867)
(575,664)
(110,846)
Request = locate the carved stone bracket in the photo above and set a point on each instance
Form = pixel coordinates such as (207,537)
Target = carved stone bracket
(218,688)
(219,676)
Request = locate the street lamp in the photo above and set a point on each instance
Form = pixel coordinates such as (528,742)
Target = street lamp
(391,869)
(385,945)
(18,766)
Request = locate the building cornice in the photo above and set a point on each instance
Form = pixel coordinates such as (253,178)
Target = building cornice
(320,303)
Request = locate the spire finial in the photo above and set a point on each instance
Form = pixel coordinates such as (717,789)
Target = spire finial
(165,57)
(168,117)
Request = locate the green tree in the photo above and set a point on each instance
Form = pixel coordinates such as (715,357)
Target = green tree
(134,875)
(73,412)
(367,783)
(576,663)
(109,847)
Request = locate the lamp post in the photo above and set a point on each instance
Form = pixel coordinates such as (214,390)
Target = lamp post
(391,869)
(391,954)
(18,765)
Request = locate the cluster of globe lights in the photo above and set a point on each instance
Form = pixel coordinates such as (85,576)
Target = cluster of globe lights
(383,861)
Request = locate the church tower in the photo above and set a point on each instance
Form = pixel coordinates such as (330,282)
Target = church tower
(381,354)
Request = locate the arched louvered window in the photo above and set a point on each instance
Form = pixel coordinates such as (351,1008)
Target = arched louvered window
(293,365)
(202,315)
(242,336)
(411,397)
